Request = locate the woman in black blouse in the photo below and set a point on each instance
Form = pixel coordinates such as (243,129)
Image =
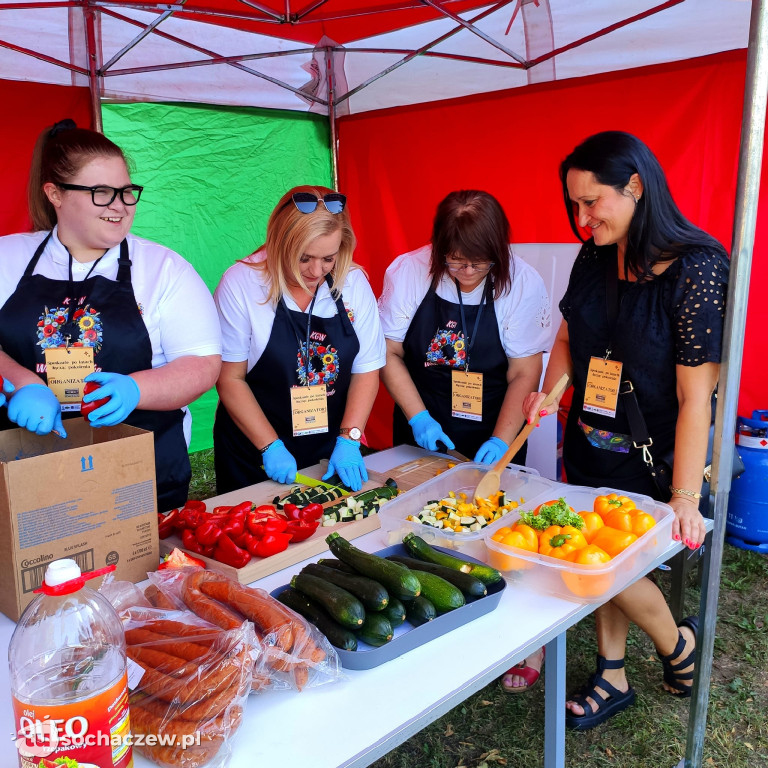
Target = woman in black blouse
(648,291)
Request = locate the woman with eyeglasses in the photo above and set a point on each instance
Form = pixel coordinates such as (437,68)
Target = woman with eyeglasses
(83,299)
(466,323)
(302,349)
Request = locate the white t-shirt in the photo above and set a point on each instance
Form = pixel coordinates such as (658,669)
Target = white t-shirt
(175,304)
(523,314)
(246,317)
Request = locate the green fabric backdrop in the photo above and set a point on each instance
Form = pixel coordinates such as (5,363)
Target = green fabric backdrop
(212,176)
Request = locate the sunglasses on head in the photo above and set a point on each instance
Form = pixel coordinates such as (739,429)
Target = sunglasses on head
(306,202)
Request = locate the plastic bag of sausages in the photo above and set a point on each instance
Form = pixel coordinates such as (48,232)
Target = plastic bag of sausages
(188,680)
(294,654)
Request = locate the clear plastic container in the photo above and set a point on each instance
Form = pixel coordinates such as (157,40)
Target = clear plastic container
(582,583)
(516,482)
(68,675)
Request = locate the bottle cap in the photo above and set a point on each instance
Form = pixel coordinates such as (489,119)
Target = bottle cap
(60,571)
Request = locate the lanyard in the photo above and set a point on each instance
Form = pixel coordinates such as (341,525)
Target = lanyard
(69,329)
(612,304)
(296,330)
(470,339)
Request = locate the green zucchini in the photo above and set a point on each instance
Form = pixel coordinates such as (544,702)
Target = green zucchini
(336,634)
(340,604)
(376,630)
(338,565)
(362,504)
(423,551)
(441,593)
(397,579)
(471,587)
(420,611)
(369,592)
(395,612)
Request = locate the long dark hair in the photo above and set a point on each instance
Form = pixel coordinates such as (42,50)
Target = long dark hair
(60,152)
(472,223)
(658,231)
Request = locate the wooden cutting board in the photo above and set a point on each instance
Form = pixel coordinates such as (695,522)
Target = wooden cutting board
(264,493)
(418,471)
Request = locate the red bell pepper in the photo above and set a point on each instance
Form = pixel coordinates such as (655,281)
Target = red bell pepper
(243,506)
(301,529)
(234,525)
(312,512)
(193,514)
(271,544)
(275,525)
(86,408)
(291,511)
(256,528)
(179,559)
(191,543)
(229,553)
(208,534)
(166,524)
(221,511)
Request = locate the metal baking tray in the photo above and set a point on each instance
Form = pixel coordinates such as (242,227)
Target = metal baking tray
(408,637)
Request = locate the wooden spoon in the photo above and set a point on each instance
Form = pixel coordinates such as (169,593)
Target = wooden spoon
(491,481)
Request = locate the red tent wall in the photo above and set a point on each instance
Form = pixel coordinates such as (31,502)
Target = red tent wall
(396,165)
(29,107)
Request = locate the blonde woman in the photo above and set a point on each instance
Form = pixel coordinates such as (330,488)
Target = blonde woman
(302,349)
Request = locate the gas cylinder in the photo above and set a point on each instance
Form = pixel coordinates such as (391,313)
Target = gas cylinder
(747,523)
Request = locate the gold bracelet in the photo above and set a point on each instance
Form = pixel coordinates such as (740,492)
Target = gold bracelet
(685,492)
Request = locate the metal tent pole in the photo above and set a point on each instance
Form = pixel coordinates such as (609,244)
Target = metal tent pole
(94,79)
(745,219)
(332,116)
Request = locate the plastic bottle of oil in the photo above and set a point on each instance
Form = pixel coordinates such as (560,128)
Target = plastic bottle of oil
(68,675)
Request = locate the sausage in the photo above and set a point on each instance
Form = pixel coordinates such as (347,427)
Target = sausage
(159,599)
(183,649)
(161,661)
(197,711)
(210,610)
(265,612)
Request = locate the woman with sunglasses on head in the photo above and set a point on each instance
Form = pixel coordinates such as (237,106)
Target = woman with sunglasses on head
(82,294)
(302,349)
(646,296)
(463,316)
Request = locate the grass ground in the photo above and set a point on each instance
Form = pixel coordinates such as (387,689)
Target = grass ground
(492,729)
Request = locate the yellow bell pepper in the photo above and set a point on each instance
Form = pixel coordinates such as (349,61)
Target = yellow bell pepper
(619,517)
(589,555)
(592,524)
(559,541)
(642,522)
(604,504)
(530,536)
(612,540)
(583,583)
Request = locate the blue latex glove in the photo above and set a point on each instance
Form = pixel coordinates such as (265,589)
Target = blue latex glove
(427,432)
(491,451)
(36,408)
(7,389)
(347,462)
(123,393)
(279,464)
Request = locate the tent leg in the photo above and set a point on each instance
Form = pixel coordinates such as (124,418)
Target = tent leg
(745,219)
(94,80)
(332,117)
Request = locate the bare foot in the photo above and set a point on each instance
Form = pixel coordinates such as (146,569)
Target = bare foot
(690,645)
(512,681)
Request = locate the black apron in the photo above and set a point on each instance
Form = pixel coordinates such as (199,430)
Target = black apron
(430,357)
(333,348)
(104,314)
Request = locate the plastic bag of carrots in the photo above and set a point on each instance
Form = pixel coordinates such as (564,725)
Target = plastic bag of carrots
(188,680)
(294,654)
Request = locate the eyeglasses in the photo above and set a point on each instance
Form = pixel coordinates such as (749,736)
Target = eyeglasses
(458,266)
(306,202)
(104,196)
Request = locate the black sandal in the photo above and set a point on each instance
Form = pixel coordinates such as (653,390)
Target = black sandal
(672,674)
(611,704)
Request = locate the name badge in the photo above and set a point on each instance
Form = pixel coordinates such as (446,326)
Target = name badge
(601,393)
(66,367)
(467,395)
(309,410)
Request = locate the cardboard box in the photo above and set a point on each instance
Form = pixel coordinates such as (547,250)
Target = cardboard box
(90,497)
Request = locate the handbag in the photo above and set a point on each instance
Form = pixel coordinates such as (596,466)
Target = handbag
(661,469)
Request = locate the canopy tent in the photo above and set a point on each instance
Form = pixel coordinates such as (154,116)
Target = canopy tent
(343,58)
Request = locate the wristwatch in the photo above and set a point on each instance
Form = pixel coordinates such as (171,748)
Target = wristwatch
(353,433)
